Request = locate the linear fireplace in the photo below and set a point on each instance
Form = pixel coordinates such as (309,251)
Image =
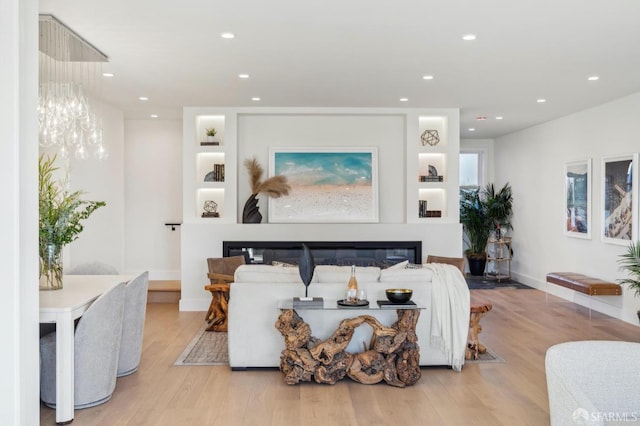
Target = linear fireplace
(360,253)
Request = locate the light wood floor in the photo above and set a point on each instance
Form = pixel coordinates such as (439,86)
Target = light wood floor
(522,325)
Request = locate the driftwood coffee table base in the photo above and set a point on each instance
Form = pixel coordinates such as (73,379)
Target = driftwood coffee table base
(393,355)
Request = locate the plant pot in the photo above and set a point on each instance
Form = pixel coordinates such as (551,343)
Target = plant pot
(210,138)
(51,267)
(476,265)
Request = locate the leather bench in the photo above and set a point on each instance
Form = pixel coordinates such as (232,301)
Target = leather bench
(584,284)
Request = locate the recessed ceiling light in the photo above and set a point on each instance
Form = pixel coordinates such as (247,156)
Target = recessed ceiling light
(593,78)
(404,99)
(472,129)
(541,101)
(469,37)
(154,116)
(227,35)
(427,77)
(499,117)
(255,99)
(481,117)
(243,75)
(143,98)
(107,74)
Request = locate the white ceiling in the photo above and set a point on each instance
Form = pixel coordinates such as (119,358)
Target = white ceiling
(365,53)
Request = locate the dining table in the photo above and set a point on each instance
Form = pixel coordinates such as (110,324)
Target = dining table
(63,307)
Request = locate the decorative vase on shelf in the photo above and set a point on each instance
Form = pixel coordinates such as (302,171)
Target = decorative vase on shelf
(51,267)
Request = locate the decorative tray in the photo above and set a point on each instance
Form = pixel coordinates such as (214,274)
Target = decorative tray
(358,304)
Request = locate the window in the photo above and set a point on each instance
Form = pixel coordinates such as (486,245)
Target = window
(471,170)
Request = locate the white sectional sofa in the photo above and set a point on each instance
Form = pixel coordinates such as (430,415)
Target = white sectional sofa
(259,290)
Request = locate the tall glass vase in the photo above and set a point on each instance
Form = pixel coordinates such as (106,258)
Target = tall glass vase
(50,267)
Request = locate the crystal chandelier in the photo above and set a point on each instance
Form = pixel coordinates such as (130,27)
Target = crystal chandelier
(70,69)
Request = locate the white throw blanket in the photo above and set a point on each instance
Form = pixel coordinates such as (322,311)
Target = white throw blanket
(450,313)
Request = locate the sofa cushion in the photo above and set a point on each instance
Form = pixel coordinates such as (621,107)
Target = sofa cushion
(269,274)
(341,274)
(405,275)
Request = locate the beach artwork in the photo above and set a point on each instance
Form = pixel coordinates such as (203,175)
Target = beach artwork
(618,200)
(578,199)
(337,185)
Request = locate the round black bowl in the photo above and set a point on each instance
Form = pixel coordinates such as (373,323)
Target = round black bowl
(399,295)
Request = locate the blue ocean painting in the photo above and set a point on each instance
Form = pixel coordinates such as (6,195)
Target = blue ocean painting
(326,186)
(325,168)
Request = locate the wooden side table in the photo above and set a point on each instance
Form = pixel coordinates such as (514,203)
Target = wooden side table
(217,315)
(474,347)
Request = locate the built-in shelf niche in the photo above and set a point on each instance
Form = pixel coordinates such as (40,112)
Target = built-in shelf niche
(438,124)
(206,163)
(204,122)
(436,199)
(210,194)
(438,161)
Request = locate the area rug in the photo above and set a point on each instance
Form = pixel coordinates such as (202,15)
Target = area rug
(210,348)
(488,356)
(206,348)
(481,283)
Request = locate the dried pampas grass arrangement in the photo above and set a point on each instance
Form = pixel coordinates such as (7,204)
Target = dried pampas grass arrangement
(275,187)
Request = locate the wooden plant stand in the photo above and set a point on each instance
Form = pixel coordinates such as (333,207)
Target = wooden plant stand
(393,354)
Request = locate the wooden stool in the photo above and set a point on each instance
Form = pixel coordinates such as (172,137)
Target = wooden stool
(474,347)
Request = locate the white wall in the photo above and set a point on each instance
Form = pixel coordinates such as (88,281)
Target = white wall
(19,387)
(153,197)
(533,161)
(103,236)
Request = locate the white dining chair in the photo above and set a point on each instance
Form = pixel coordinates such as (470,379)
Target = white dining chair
(135,308)
(96,350)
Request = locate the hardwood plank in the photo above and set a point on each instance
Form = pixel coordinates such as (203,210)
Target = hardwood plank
(521,327)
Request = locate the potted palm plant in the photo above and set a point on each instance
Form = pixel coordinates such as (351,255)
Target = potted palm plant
(60,222)
(630,263)
(477,226)
(499,207)
(482,211)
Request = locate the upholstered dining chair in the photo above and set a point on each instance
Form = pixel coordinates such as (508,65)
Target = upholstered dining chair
(135,309)
(96,351)
(458,262)
(221,270)
(93,268)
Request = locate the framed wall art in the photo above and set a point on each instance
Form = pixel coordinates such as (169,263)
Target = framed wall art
(620,199)
(577,193)
(328,185)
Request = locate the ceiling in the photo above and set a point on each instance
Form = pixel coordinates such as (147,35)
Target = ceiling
(365,53)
